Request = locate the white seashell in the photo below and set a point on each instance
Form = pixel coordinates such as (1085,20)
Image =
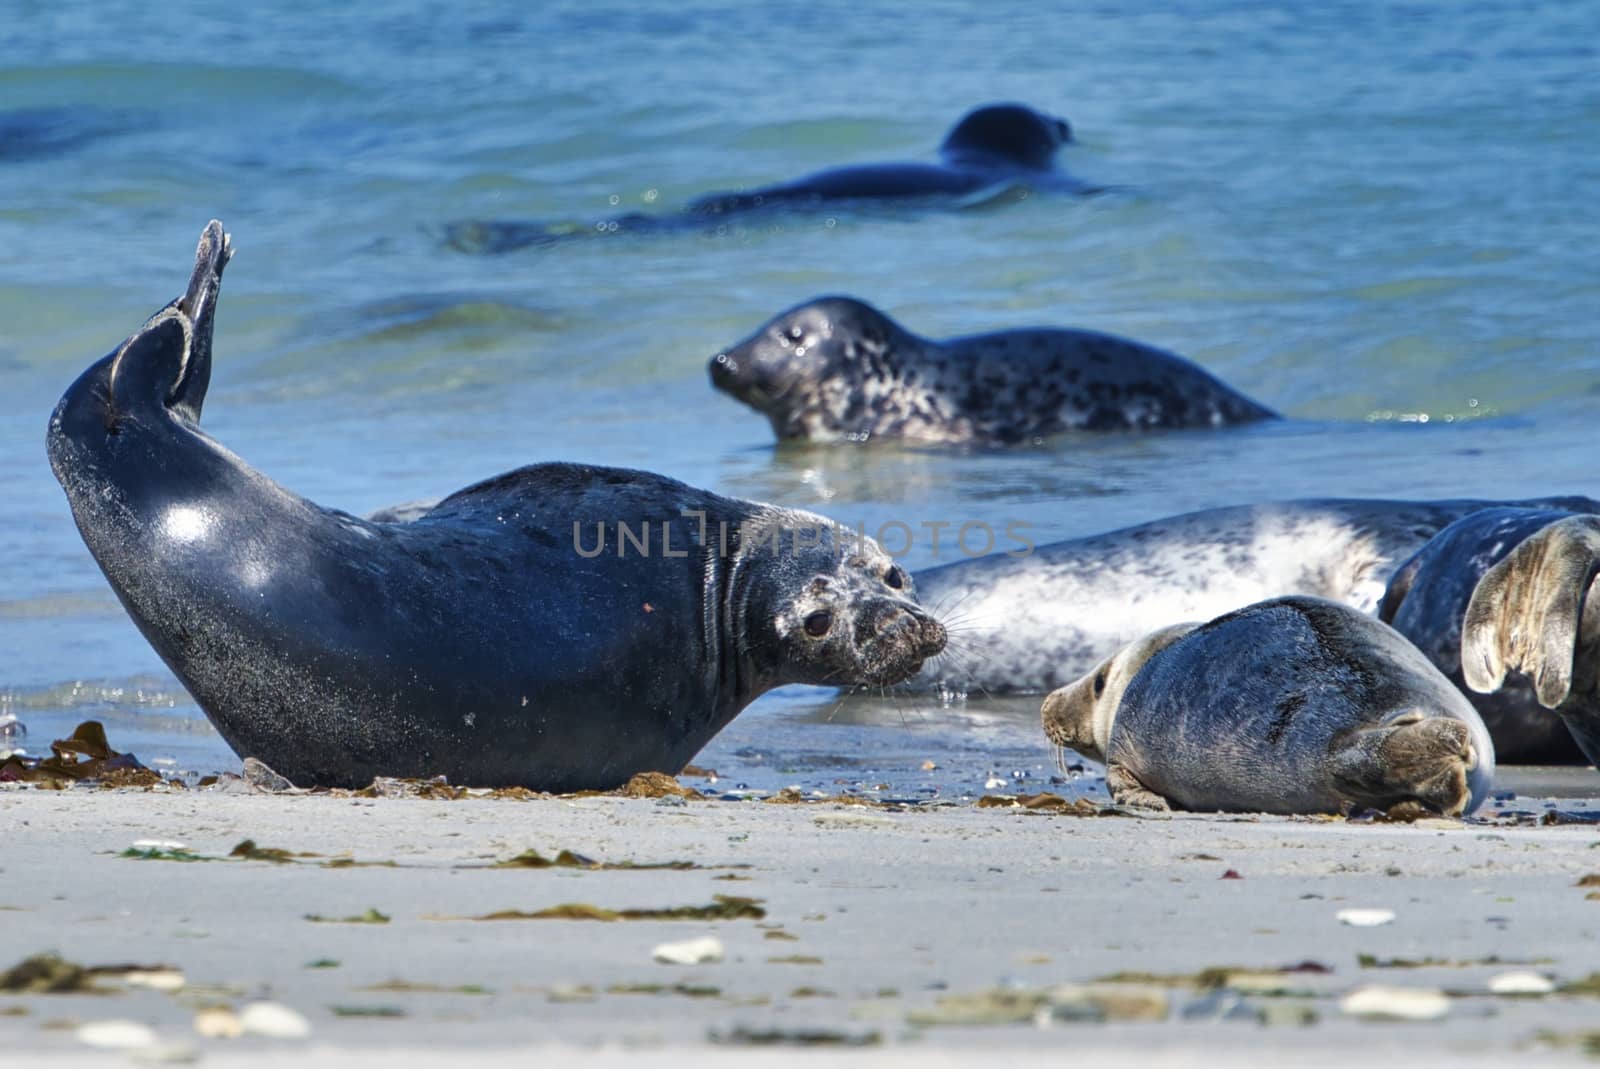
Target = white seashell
(218,1022)
(115,1035)
(275,1020)
(1365,918)
(1520,983)
(689,952)
(1396,1003)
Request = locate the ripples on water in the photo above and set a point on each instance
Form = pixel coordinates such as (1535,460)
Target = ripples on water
(1362,216)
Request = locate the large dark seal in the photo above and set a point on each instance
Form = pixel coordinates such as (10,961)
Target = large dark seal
(994,151)
(837,369)
(1296,705)
(992,147)
(558,626)
(1427,602)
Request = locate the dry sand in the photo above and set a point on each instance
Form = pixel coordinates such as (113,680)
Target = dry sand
(881,925)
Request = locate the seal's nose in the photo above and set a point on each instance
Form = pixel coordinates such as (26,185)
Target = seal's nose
(724,371)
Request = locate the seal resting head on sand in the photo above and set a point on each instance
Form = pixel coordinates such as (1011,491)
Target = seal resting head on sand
(557,627)
(838,369)
(1297,705)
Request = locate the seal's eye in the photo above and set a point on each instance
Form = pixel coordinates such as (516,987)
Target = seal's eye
(818,623)
(1099,683)
(895,578)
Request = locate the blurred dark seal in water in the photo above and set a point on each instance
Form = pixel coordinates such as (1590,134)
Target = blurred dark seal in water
(995,151)
(838,369)
(504,637)
(1296,705)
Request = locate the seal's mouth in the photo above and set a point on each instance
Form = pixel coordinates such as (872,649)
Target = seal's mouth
(899,646)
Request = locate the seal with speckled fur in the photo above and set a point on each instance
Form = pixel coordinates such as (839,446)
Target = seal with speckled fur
(1296,705)
(837,369)
(1034,621)
(559,626)
(995,150)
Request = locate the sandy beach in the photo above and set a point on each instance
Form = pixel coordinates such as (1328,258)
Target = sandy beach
(857,934)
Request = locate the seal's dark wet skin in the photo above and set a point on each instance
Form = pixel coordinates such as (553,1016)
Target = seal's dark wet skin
(476,641)
(992,148)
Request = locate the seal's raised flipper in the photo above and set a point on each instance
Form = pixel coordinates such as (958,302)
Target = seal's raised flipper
(1126,790)
(1532,613)
(168,361)
(1412,758)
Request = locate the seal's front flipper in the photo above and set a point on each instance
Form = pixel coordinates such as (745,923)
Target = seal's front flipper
(1126,790)
(1532,613)
(1412,758)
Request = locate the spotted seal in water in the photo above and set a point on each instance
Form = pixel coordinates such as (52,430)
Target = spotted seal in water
(996,149)
(836,369)
(1295,705)
(509,635)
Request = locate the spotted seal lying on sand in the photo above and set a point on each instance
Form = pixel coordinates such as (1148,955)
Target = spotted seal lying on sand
(838,369)
(1033,621)
(1295,705)
(994,150)
(558,626)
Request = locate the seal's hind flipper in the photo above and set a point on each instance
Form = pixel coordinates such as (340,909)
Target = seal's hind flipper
(1126,790)
(1413,758)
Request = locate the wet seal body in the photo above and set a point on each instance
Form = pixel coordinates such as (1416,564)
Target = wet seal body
(1427,601)
(474,641)
(989,148)
(838,369)
(1034,622)
(1295,705)
(993,151)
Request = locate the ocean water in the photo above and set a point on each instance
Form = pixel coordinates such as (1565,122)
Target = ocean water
(1378,219)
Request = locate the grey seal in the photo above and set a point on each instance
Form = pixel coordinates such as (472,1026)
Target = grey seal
(1294,705)
(558,627)
(1033,619)
(838,369)
(994,150)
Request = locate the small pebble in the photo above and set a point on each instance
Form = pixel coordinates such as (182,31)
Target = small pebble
(1365,918)
(274,1020)
(115,1035)
(689,951)
(1379,1002)
(155,979)
(218,1022)
(1520,983)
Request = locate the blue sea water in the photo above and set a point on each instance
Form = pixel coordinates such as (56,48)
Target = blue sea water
(1380,219)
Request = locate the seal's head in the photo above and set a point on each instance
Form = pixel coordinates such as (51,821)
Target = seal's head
(1080,715)
(806,370)
(827,606)
(1006,134)
(157,375)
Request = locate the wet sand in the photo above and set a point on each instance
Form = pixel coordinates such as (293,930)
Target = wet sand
(894,927)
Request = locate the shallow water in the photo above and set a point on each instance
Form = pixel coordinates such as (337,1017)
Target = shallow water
(1378,220)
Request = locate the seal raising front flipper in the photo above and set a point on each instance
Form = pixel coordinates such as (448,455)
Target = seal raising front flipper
(558,627)
(1537,612)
